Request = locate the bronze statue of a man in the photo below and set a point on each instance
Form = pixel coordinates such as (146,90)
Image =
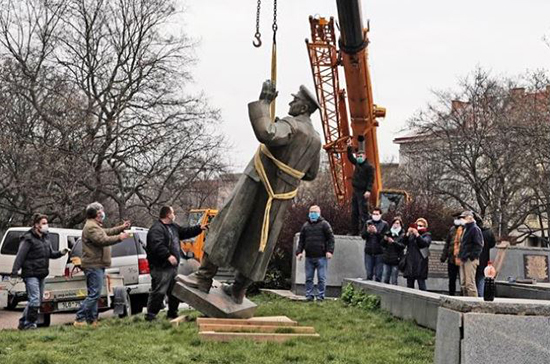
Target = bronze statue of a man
(244,233)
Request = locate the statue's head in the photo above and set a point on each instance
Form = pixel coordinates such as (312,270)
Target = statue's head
(304,102)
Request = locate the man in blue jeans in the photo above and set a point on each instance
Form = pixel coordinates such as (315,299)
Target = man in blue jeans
(317,239)
(373,232)
(33,258)
(96,256)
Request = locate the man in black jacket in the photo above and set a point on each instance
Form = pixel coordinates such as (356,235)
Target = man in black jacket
(471,245)
(361,181)
(317,239)
(163,255)
(33,258)
(489,242)
(373,232)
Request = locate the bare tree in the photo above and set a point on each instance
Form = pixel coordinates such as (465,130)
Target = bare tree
(465,151)
(104,86)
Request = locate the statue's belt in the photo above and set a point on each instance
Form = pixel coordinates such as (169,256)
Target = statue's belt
(272,195)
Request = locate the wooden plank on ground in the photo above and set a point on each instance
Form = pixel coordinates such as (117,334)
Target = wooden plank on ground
(179,319)
(258,328)
(270,321)
(229,336)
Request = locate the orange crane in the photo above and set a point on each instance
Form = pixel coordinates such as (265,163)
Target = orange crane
(326,54)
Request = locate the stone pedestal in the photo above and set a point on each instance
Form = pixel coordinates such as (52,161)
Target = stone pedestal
(214,304)
(470,330)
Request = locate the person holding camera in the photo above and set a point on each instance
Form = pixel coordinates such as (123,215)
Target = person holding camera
(418,241)
(392,247)
(33,258)
(373,232)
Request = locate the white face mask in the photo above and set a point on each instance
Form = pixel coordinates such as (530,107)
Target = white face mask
(458,222)
(376,217)
(395,229)
(44,228)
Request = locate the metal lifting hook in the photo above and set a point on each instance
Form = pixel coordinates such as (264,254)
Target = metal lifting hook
(258,41)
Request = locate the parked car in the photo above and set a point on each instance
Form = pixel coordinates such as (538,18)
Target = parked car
(129,260)
(60,239)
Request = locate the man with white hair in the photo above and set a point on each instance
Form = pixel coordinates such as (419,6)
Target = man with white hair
(96,256)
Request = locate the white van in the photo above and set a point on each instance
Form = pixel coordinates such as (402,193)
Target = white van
(59,238)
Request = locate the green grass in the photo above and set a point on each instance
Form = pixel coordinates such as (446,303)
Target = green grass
(349,334)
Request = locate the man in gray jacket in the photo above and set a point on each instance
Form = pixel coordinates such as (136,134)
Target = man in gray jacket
(244,233)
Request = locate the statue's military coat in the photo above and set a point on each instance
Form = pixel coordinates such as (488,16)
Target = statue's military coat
(234,235)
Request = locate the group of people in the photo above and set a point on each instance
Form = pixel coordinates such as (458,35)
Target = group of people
(390,248)
(163,255)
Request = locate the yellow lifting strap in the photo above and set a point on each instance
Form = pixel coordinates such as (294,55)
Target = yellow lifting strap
(273,75)
(271,195)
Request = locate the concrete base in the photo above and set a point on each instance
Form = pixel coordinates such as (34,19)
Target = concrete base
(406,303)
(214,304)
(470,331)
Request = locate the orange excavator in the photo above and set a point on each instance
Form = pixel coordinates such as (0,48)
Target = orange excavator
(327,54)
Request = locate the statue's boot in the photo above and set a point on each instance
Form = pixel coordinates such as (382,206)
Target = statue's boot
(237,290)
(202,279)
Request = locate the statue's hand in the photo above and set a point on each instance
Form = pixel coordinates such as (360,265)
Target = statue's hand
(269,93)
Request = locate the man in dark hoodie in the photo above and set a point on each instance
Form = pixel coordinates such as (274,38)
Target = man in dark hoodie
(361,181)
(373,232)
(471,245)
(317,239)
(33,258)
(163,255)
(489,243)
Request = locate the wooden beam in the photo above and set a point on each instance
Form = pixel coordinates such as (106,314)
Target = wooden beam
(229,336)
(179,319)
(270,321)
(258,328)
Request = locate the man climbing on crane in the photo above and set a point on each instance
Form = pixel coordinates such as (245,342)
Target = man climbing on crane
(361,181)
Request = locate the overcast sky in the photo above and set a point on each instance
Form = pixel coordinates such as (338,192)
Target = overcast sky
(416,47)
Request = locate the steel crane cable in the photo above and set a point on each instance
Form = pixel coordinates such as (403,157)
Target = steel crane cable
(257,42)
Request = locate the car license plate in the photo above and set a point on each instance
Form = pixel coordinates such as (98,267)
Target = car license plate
(68,306)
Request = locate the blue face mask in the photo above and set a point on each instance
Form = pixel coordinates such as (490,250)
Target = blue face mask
(360,160)
(314,216)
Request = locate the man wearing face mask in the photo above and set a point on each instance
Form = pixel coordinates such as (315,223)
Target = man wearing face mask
(96,256)
(471,246)
(373,232)
(33,258)
(451,250)
(163,255)
(361,181)
(317,239)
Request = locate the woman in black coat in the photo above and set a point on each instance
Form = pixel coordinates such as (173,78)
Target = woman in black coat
(392,247)
(418,241)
